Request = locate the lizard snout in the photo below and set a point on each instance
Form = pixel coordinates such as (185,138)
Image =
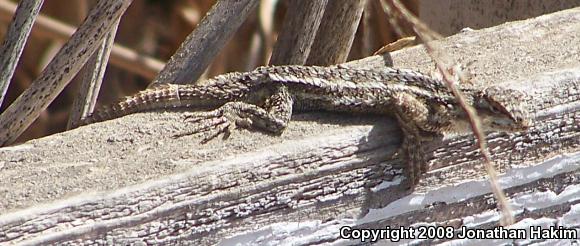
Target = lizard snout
(506,109)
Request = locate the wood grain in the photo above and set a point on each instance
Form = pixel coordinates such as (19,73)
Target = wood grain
(303,186)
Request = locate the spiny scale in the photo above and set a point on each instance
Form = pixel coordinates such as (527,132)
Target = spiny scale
(324,81)
(256,100)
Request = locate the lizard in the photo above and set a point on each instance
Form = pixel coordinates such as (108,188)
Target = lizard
(266,97)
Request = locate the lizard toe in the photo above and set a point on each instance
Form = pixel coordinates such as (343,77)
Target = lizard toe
(200,116)
(210,127)
(214,131)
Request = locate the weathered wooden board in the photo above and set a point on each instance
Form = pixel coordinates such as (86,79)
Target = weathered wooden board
(128,180)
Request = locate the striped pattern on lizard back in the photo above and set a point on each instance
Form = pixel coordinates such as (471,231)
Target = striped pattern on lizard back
(313,88)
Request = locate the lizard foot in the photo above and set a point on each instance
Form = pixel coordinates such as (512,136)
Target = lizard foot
(208,123)
(220,121)
(233,114)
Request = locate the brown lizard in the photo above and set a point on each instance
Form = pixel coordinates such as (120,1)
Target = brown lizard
(266,97)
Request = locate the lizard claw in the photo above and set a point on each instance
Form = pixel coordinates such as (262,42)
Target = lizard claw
(211,124)
(221,126)
(230,115)
(200,116)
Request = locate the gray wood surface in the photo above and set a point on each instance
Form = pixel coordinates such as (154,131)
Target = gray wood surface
(298,32)
(14,41)
(128,180)
(207,39)
(61,69)
(336,32)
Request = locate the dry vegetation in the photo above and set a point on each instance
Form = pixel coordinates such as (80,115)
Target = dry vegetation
(155,29)
(152,31)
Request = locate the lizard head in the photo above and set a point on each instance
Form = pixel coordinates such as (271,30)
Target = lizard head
(503,109)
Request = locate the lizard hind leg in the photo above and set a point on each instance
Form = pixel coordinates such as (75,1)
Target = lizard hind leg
(223,120)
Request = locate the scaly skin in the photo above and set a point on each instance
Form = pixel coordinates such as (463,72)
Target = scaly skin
(266,97)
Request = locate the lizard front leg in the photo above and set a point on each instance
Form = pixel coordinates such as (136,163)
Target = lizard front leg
(273,118)
(411,113)
(413,154)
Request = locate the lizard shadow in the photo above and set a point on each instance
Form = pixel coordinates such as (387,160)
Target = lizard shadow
(384,182)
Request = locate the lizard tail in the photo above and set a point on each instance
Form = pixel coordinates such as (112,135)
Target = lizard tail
(214,92)
(160,97)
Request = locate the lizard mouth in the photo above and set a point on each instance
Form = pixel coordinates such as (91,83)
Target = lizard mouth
(507,119)
(515,116)
(508,124)
(504,109)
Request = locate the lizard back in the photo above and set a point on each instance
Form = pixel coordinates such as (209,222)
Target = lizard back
(327,88)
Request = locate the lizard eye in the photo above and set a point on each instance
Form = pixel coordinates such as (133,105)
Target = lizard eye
(493,109)
(507,106)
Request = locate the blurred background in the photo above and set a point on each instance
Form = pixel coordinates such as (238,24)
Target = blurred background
(152,30)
